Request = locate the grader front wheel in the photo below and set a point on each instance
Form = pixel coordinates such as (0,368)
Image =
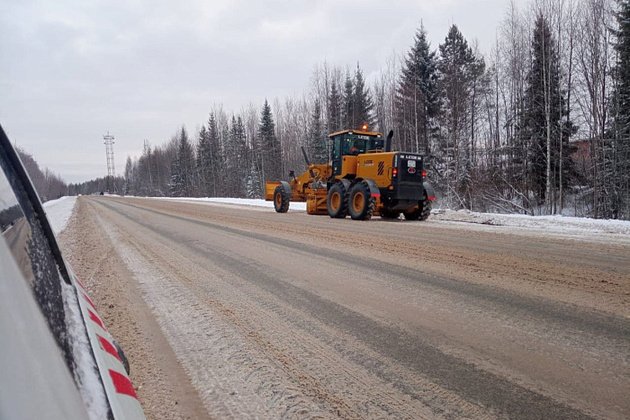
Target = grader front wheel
(281,199)
(336,201)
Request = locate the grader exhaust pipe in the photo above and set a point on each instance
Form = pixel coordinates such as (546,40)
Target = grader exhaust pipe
(388,141)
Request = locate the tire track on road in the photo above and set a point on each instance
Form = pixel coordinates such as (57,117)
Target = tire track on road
(493,392)
(567,316)
(383,402)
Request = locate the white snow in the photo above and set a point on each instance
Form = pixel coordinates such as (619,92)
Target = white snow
(59,211)
(573,227)
(249,202)
(547,224)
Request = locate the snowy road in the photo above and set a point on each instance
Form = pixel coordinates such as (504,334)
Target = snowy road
(291,315)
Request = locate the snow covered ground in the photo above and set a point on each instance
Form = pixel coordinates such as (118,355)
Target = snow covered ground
(555,223)
(59,212)
(575,227)
(249,202)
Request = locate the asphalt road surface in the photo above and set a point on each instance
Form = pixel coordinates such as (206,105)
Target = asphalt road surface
(237,312)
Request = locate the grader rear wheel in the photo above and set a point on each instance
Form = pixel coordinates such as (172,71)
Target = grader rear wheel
(361,202)
(281,199)
(421,213)
(426,210)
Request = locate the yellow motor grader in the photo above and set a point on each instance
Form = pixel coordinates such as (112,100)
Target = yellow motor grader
(363,178)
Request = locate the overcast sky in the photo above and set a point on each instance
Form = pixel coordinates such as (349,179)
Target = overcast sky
(72,70)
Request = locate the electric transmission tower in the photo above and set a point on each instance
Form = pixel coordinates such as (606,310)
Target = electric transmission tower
(109,153)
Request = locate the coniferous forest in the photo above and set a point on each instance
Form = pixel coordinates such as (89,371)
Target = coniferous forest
(540,124)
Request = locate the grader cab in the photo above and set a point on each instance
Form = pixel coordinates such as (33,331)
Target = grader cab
(363,178)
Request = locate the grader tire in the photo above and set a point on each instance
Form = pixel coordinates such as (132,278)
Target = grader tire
(360,202)
(281,199)
(426,210)
(421,213)
(336,201)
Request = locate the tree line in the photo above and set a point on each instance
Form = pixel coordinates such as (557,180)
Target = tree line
(538,125)
(48,185)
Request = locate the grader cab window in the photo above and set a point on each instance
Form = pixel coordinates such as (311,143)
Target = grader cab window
(352,144)
(343,146)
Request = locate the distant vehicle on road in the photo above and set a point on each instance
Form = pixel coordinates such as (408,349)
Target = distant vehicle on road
(58,360)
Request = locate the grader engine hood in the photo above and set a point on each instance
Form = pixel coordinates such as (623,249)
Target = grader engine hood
(375,166)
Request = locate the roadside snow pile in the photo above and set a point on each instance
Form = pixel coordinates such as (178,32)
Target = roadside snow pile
(239,202)
(552,224)
(59,212)
(556,225)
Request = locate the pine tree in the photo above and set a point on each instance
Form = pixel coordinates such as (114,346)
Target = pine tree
(542,122)
(270,153)
(183,168)
(363,105)
(215,155)
(417,96)
(253,187)
(243,166)
(334,109)
(224,183)
(236,163)
(622,69)
(456,78)
(617,148)
(176,184)
(204,165)
(348,113)
(146,173)
(316,140)
(129,177)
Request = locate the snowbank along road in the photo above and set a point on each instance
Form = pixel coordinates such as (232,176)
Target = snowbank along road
(239,312)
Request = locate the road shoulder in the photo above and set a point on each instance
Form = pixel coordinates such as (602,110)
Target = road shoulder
(162,385)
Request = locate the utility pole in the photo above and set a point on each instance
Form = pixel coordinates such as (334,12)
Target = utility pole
(109,153)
